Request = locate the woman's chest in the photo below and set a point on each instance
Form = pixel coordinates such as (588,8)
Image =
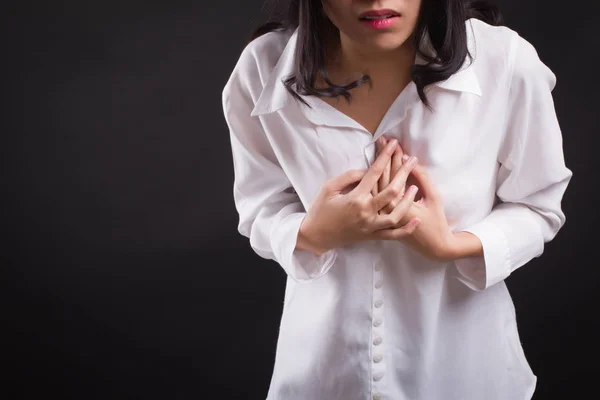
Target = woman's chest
(368,106)
(455,146)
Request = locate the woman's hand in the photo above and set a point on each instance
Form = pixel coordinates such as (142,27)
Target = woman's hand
(433,238)
(339,216)
(398,159)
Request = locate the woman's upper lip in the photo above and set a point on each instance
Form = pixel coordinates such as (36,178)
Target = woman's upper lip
(375,13)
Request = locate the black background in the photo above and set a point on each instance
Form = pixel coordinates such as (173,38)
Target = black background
(126,276)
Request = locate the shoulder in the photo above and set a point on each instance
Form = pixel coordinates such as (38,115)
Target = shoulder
(491,45)
(528,71)
(500,47)
(256,62)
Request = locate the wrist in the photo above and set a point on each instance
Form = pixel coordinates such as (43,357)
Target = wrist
(462,245)
(307,239)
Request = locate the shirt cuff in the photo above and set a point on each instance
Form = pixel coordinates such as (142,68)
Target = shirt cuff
(481,272)
(302,265)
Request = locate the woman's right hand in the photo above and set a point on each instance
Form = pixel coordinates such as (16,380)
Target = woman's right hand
(392,167)
(338,217)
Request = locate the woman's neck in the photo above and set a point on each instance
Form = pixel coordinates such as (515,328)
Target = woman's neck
(350,60)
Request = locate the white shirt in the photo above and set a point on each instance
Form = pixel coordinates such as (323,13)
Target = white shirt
(376,319)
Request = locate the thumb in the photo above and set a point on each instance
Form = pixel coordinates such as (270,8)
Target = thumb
(341,182)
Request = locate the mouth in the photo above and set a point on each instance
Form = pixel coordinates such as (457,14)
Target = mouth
(377,15)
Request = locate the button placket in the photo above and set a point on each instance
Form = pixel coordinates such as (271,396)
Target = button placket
(377,360)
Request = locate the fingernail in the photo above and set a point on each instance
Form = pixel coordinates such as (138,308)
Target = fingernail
(404,157)
(413,189)
(413,161)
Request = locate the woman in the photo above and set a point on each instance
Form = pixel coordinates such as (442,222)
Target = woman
(392,294)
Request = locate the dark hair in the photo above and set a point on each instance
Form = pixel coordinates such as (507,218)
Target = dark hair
(444,20)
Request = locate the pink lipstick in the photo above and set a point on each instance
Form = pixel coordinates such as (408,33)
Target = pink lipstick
(379,19)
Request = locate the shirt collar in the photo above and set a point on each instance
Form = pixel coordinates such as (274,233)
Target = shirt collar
(274,96)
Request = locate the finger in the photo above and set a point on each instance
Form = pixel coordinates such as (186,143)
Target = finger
(342,181)
(428,189)
(397,160)
(396,186)
(379,146)
(404,205)
(384,181)
(390,207)
(393,204)
(391,219)
(398,233)
(385,177)
(396,164)
(396,204)
(388,139)
(374,173)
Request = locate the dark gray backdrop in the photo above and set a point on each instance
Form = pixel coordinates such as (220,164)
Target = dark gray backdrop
(126,277)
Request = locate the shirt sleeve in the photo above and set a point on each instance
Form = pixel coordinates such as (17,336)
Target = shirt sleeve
(532,176)
(270,211)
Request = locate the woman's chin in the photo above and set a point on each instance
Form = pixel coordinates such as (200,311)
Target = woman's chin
(386,46)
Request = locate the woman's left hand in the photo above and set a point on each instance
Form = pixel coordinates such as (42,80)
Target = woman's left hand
(433,237)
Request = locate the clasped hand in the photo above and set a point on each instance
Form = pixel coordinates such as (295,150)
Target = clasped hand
(375,204)
(432,236)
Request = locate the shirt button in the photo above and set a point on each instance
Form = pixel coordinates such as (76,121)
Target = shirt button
(377,322)
(377,377)
(376,396)
(377,341)
(378,284)
(378,358)
(378,303)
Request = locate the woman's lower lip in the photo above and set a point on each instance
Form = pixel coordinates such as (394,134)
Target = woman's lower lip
(380,23)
